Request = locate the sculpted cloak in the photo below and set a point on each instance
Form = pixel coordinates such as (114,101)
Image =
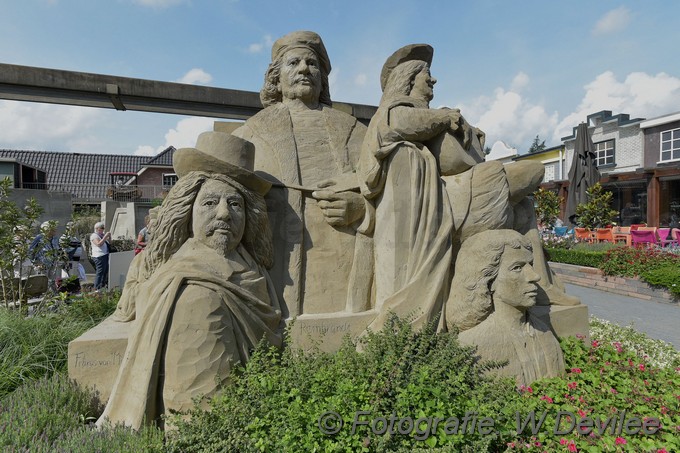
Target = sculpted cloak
(413,220)
(317,268)
(197,315)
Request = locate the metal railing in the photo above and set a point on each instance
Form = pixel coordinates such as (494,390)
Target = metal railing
(102,192)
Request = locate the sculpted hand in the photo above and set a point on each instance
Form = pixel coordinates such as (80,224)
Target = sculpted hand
(340,209)
(456,119)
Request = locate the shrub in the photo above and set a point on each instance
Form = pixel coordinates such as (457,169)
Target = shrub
(276,402)
(42,411)
(596,213)
(53,414)
(547,205)
(577,256)
(633,261)
(603,381)
(656,352)
(665,276)
(31,348)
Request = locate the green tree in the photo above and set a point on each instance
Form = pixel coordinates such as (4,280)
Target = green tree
(547,206)
(537,145)
(597,212)
(16,234)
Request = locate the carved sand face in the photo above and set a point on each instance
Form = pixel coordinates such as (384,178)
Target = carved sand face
(423,85)
(300,76)
(218,216)
(515,284)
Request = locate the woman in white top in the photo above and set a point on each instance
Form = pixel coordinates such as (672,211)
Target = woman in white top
(100,255)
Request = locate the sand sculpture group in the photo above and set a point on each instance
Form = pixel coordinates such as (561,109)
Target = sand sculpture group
(304,212)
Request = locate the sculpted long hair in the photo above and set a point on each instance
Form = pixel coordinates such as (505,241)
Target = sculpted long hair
(477,265)
(400,82)
(173,226)
(270,93)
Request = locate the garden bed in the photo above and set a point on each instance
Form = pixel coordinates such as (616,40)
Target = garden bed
(626,286)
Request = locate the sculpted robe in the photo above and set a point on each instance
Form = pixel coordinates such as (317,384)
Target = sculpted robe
(413,219)
(196,316)
(531,349)
(315,268)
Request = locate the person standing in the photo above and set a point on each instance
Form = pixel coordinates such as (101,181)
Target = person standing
(142,236)
(99,241)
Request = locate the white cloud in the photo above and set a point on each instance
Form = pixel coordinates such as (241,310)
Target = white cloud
(520,81)
(26,125)
(361,79)
(183,135)
(265,43)
(510,117)
(145,150)
(639,95)
(196,76)
(613,21)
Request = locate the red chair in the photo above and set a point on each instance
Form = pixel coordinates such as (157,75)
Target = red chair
(635,226)
(583,234)
(643,238)
(604,235)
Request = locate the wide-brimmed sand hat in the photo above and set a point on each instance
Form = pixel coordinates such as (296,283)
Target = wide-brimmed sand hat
(421,52)
(220,152)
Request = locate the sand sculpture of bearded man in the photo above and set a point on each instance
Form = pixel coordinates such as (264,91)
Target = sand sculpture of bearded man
(201,296)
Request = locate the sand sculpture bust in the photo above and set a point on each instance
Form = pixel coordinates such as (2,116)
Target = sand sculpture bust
(493,287)
(201,297)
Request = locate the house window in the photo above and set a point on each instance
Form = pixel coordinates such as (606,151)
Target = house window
(670,145)
(169,179)
(604,153)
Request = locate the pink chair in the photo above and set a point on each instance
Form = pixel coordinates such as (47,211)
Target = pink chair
(669,237)
(643,237)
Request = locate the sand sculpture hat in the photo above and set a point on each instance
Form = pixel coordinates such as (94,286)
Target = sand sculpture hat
(302,39)
(421,52)
(220,152)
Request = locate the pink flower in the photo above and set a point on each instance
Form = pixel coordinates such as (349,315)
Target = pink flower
(530,390)
(572,385)
(613,390)
(563,441)
(618,347)
(595,344)
(620,441)
(581,413)
(641,367)
(572,446)
(662,450)
(576,370)
(547,398)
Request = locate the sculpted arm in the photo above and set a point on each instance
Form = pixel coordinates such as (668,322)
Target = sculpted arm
(421,124)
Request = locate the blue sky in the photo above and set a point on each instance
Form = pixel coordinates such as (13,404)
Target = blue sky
(515,69)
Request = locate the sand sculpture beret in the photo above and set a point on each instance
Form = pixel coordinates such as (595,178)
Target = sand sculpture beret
(302,39)
(421,52)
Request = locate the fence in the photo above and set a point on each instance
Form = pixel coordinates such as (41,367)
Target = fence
(101,192)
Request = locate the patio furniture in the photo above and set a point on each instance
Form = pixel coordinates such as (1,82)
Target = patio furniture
(560,231)
(642,238)
(668,236)
(604,235)
(622,234)
(584,234)
(635,226)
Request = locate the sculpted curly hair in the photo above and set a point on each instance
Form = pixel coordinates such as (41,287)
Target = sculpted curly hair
(471,299)
(173,226)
